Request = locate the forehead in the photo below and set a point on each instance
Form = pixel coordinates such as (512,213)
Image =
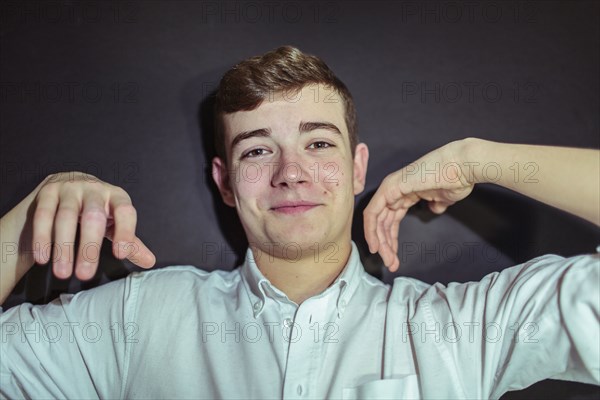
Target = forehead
(284,110)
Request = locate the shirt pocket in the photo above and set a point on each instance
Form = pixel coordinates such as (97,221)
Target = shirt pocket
(405,387)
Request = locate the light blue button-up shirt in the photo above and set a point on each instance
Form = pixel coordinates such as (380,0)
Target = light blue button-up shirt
(181,332)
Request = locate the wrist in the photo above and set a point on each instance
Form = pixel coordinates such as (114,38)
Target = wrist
(476,157)
(469,151)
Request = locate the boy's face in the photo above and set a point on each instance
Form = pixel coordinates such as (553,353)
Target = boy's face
(290,172)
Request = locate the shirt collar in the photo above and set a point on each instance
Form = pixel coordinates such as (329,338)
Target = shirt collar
(260,288)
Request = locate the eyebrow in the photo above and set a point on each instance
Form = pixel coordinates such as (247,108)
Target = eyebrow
(304,127)
(262,132)
(311,126)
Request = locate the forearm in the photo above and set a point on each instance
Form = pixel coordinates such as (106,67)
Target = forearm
(566,178)
(16,236)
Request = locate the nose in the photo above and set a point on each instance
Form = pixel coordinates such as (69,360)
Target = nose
(289,171)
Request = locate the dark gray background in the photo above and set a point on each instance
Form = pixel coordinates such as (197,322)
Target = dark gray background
(122,91)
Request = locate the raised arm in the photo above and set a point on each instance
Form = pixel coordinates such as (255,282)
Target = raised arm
(563,177)
(566,178)
(50,216)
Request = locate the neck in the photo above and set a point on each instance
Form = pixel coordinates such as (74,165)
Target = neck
(308,276)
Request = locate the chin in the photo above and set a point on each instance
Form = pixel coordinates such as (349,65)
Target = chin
(299,238)
(302,240)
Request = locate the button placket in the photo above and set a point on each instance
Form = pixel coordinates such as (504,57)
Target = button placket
(300,370)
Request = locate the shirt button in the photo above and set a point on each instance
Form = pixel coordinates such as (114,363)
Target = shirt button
(257,305)
(299,390)
(287,322)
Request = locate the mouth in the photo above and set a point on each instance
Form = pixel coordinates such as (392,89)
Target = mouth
(294,207)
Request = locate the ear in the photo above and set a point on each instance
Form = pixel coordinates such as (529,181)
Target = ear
(361,159)
(221,177)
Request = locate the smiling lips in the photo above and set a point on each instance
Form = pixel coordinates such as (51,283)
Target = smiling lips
(294,207)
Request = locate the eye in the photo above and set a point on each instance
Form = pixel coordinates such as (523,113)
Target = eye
(320,145)
(254,153)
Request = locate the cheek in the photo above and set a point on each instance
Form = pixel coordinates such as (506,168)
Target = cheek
(333,173)
(335,177)
(251,180)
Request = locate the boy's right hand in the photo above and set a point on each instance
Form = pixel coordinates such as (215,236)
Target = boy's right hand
(67,201)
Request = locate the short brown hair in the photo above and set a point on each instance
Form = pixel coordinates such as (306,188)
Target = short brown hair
(245,86)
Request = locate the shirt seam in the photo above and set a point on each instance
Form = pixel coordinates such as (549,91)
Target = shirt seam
(134,291)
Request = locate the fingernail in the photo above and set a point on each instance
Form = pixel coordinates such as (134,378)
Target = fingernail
(85,266)
(85,270)
(61,270)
